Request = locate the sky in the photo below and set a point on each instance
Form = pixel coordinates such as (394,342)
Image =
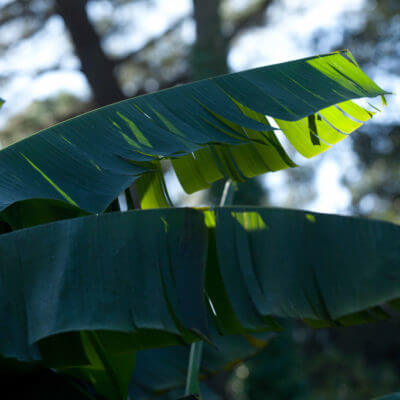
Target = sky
(287,36)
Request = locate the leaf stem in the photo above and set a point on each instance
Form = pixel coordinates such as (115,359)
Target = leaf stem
(196,349)
(227,194)
(192,380)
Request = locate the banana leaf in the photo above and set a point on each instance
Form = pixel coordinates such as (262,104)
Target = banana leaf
(154,278)
(159,373)
(83,295)
(210,129)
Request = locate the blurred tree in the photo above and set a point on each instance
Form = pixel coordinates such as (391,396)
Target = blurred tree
(29,17)
(95,64)
(41,114)
(374,41)
(377,191)
(276,373)
(106,72)
(209,52)
(352,363)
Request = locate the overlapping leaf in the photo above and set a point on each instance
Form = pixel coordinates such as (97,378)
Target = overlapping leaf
(143,275)
(159,373)
(84,295)
(211,129)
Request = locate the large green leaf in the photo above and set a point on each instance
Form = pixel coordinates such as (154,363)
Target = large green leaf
(393,396)
(138,278)
(211,129)
(83,295)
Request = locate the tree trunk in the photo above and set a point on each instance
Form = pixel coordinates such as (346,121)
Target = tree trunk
(209,53)
(97,67)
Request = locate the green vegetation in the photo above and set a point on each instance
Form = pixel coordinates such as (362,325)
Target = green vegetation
(97,293)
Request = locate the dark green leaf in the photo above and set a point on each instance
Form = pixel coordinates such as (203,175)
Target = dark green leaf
(27,213)
(141,275)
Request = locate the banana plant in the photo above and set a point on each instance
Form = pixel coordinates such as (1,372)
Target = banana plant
(84,291)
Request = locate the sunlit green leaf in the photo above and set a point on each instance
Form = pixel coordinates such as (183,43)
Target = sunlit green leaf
(211,129)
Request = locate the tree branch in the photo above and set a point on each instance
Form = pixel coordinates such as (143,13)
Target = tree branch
(95,64)
(182,77)
(152,42)
(36,72)
(254,17)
